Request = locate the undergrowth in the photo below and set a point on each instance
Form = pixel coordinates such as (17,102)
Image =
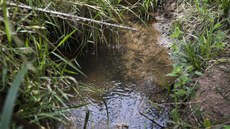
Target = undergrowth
(200,36)
(40,44)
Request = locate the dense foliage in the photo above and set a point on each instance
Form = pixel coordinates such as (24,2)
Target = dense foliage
(40,43)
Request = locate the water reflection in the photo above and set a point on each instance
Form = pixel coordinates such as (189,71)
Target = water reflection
(127,108)
(127,104)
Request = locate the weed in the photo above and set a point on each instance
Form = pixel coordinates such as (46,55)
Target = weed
(42,39)
(192,50)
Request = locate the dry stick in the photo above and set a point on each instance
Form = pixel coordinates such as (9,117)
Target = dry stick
(70,16)
(151,120)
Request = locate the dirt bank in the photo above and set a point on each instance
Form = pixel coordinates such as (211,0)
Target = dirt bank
(214,93)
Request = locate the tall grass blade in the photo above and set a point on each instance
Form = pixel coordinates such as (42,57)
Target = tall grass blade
(86,119)
(11,98)
(66,37)
(68,62)
(6,22)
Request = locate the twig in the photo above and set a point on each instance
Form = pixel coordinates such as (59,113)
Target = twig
(69,16)
(152,120)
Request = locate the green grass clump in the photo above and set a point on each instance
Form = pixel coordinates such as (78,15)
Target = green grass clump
(201,35)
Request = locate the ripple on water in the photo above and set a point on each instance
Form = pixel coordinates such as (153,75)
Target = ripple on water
(140,60)
(127,108)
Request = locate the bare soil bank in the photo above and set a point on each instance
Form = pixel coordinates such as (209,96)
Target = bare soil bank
(214,93)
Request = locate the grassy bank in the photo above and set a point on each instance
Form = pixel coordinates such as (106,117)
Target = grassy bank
(201,35)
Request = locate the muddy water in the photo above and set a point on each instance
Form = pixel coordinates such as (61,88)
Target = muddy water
(126,108)
(130,74)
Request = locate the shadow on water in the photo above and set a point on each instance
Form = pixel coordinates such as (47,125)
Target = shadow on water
(127,102)
(127,105)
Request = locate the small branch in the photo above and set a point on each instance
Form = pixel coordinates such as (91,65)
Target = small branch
(152,120)
(69,16)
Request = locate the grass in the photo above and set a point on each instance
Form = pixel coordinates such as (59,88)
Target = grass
(11,98)
(201,35)
(39,49)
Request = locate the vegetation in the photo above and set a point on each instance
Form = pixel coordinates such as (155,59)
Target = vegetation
(42,40)
(40,44)
(193,48)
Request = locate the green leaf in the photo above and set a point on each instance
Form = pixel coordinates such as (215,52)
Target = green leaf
(176,33)
(181,92)
(226,126)
(68,62)
(11,98)
(66,37)
(207,123)
(198,73)
(178,69)
(189,68)
(177,85)
(175,115)
(216,26)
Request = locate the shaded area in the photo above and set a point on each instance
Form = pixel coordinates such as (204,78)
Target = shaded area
(130,73)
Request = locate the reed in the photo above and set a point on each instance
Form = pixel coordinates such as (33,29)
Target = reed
(41,42)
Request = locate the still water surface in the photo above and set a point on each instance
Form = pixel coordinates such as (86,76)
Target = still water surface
(126,104)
